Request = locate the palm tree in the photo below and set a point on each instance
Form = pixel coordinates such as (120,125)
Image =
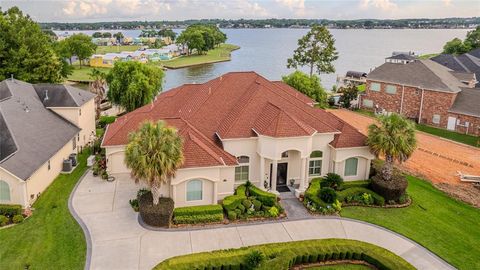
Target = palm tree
(98,86)
(394,139)
(153,155)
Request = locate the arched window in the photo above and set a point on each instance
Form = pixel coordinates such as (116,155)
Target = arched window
(241,171)
(351,165)
(4,191)
(194,190)
(315,163)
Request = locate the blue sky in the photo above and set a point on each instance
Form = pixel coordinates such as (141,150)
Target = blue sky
(114,10)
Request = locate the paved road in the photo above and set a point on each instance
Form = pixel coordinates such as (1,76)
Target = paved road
(436,159)
(117,241)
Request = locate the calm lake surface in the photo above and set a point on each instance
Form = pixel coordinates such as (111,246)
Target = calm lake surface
(266,51)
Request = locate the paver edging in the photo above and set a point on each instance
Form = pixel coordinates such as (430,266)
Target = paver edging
(80,222)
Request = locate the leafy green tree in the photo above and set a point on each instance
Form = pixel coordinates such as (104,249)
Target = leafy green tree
(51,34)
(106,35)
(148,33)
(201,38)
(98,86)
(394,139)
(455,46)
(153,154)
(316,50)
(167,32)
(133,84)
(26,52)
(308,85)
(97,35)
(193,40)
(81,46)
(349,93)
(119,36)
(473,38)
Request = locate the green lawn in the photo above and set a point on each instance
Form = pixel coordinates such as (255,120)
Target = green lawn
(454,136)
(222,53)
(81,74)
(340,267)
(427,56)
(114,49)
(50,238)
(443,225)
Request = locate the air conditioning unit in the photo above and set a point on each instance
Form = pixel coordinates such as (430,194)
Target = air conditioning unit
(73,158)
(67,165)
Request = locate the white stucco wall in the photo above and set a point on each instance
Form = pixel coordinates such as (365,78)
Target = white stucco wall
(16,186)
(115,159)
(363,168)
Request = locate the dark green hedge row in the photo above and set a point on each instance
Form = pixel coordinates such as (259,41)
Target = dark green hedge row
(267,198)
(233,201)
(286,255)
(10,210)
(198,218)
(312,192)
(342,195)
(198,214)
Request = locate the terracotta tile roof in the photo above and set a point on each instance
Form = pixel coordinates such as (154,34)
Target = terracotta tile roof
(235,105)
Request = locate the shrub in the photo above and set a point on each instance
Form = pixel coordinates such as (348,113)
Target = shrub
(273,212)
(105,120)
(327,195)
(197,219)
(238,211)
(231,215)
(254,259)
(350,184)
(3,220)
(337,205)
(311,194)
(18,219)
(142,191)
(155,215)
(134,204)
(241,207)
(257,205)
(403,199)
(241,190)
(332,180)
(352,194)
(198,210)
(10,210)
(392,189)
(231,202)
(366,198)
(247,203)
(265,197)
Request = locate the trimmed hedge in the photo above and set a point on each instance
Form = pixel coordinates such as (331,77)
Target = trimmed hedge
(105,120)
(312,192)
(241,190)
(286,255)
(342,195)
(10,210)
(155,215)
(198,214)
(267,198)
(233,201)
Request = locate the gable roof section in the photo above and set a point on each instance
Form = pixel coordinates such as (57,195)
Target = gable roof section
(62,95)
(467,102)
(419,73)
(468,62)
(36,132)
(234,105)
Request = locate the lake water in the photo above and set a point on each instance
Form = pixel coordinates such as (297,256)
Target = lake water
(266,51)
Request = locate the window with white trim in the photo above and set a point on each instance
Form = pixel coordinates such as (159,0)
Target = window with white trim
(391,89)
(194,190)
(368,103)
(436,119)
(315,163)
(375,87)
(351,166)
(241,171)
(4,191)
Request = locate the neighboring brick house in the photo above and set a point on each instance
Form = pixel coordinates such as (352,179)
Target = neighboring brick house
(426,92)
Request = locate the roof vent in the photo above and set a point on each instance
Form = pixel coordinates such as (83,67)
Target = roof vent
(45,99)
(11,77)
(26,109)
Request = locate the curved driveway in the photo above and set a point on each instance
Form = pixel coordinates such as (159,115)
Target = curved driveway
(117,241)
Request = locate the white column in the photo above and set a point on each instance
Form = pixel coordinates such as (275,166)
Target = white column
(367,172)
(303,178)
(215,192)
(262,172)
(174,192)
(274,176)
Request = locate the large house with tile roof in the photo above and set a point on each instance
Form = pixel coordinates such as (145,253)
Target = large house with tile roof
(41,125)
(241,126)
(426,92)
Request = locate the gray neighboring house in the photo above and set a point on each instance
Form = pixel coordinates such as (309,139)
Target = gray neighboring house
(40,126)
(467,62)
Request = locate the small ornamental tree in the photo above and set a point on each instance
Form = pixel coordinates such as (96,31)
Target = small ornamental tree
(349,93)
(153,154)
(308,85)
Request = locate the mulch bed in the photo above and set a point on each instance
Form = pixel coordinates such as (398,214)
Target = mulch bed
(310,265)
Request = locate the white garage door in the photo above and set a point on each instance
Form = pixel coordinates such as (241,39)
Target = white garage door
(116,163)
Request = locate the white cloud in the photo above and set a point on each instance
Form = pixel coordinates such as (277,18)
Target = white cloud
(447,3)
(383,5)
(297,6)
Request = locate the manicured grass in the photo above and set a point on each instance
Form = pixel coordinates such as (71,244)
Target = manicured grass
(81,74)
(50,238)
(454,136)
(427,56)
(114,49)
(222,53)
(443,225)
(365,112)
(284,255)
(340,267)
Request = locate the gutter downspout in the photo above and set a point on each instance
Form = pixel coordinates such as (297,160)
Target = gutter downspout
(421,108)
(401,102)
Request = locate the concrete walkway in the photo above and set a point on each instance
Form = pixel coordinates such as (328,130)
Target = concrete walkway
(117,241)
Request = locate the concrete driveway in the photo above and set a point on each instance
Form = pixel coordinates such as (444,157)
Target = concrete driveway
(117,241)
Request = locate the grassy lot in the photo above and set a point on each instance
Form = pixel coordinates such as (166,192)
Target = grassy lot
(81,74)
(443,225)
(114,49)
(283,255)
(340,267)
(50,238)
(454,136)
(222,53)
(428,56)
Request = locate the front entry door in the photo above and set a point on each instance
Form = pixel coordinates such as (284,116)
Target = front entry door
(452,121)
(282,174)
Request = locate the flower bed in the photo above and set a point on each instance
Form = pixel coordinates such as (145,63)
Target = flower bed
(287,255)
(250,202)
(10,214)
